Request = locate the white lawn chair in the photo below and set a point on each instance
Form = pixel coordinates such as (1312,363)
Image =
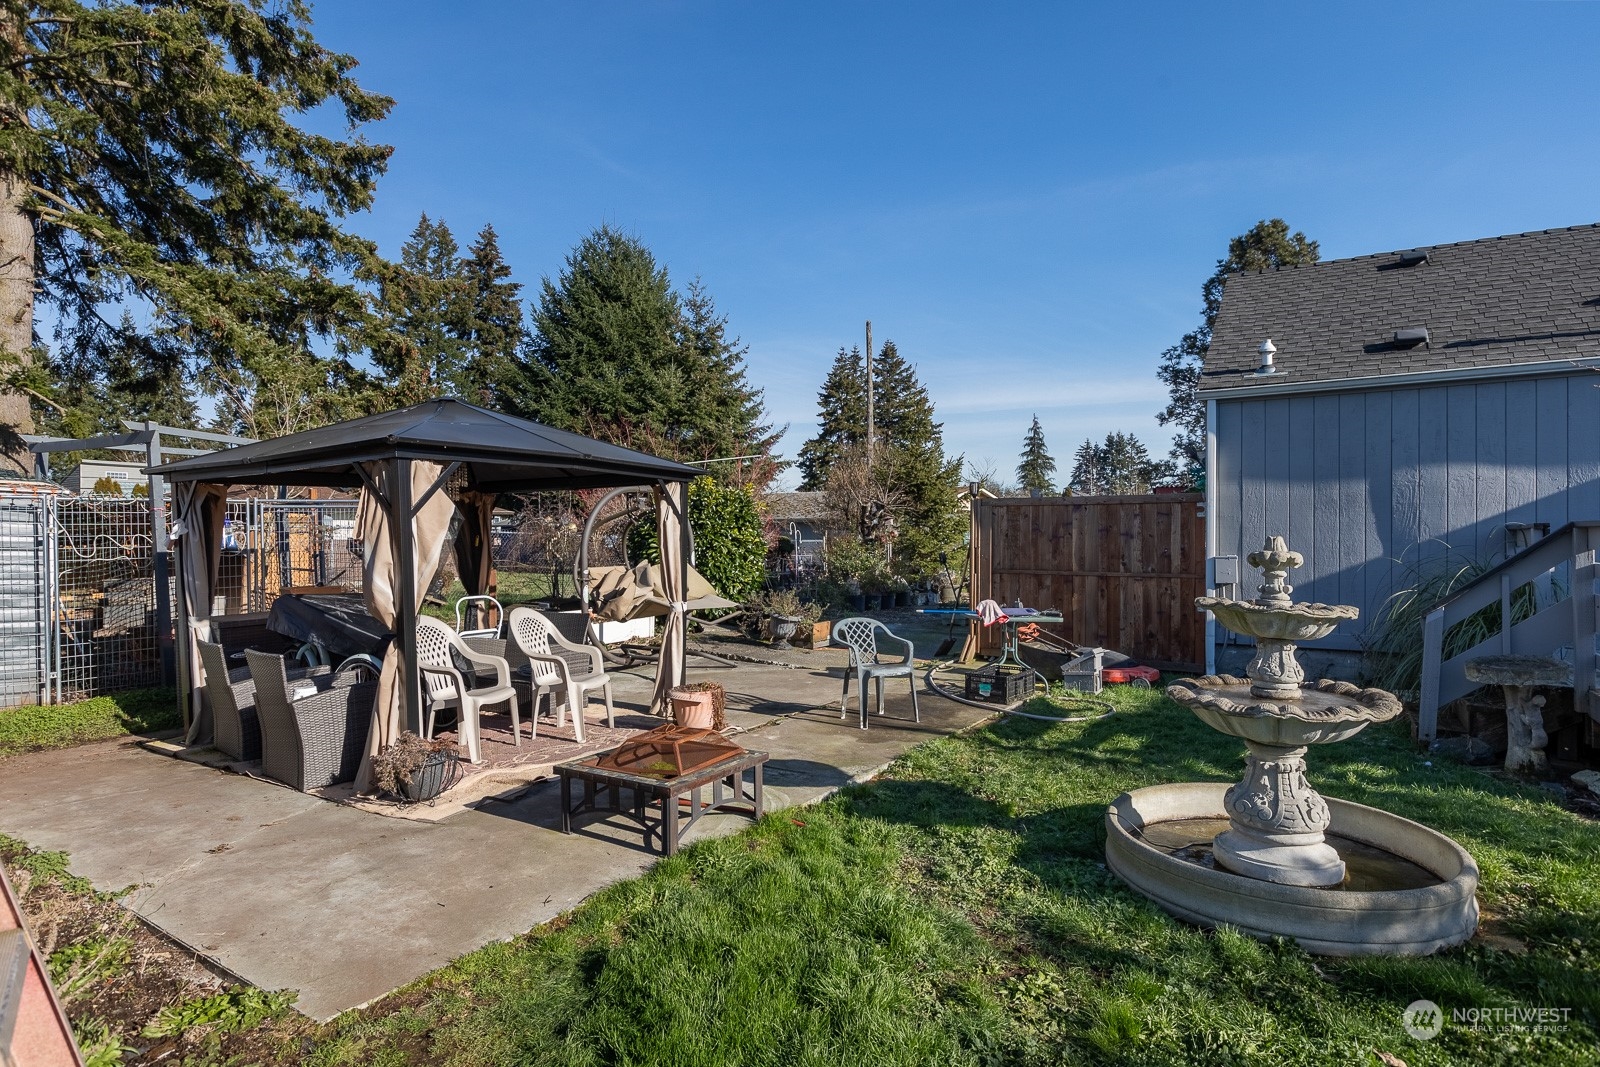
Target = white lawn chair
(438,648)
(557,666)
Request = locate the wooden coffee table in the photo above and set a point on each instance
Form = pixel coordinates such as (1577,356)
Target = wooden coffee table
(647,794)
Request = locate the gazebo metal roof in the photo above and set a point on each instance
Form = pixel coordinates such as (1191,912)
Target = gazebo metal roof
(504,453)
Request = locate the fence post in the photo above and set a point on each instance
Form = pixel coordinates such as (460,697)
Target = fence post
(161,558)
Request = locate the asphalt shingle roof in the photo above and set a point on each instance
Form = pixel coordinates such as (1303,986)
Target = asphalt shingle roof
(1523,298)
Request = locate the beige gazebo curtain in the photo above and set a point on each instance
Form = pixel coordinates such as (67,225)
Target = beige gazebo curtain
(198,511)
(474,549)
(380,532)
(671,500)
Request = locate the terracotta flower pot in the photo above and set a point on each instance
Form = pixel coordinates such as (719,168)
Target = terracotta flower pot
(693,709)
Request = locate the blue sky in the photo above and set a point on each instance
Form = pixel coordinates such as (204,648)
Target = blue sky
(1025,198)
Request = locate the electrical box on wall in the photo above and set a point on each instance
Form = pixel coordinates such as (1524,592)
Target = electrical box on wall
(1224,570)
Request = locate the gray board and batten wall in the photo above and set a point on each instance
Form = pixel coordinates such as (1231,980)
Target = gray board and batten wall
(1376,453)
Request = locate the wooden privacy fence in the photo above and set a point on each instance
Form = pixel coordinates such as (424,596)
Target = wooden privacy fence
(1123,570)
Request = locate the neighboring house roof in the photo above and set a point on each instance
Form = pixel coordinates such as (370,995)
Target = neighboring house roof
(797,507)
(1500,302)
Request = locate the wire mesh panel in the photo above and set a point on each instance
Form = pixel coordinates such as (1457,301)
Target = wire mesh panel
(24,601)
(275,546)
(103,606)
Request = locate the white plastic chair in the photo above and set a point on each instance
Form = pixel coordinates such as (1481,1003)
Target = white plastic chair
(861,636)
(438,647)
(495,612)
(573,675)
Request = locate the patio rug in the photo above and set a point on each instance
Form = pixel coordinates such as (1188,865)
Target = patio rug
(507,770)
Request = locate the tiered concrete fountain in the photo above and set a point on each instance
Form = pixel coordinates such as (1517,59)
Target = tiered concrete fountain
(1269,854)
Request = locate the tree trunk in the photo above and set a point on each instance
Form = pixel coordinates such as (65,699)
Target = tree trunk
(16,296)
(16,285)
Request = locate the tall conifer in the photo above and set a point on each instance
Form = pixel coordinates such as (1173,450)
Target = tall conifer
(494,330)
(1037,469)
(149,158)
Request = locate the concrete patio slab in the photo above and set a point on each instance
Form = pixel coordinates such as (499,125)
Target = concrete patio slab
(291,892)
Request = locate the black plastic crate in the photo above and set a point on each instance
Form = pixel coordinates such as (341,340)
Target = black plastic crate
(999,685)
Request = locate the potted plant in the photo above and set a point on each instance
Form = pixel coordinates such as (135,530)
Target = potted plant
(873,594)
(417,769)
(786,613)
(901,590)
(854,596)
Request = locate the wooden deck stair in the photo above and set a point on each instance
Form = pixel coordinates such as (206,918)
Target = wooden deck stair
(1562,568)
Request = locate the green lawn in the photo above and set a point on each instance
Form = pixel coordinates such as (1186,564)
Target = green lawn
(513,588)
(138,711)
(958,910)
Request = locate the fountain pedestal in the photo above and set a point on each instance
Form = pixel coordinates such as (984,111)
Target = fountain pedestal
(1276,822)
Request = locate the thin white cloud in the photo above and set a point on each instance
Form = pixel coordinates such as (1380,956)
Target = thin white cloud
(1030,391)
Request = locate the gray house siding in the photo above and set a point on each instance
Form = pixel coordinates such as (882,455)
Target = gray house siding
(1375,482)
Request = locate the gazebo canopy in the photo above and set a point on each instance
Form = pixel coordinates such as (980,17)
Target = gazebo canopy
(505,454)
(405,463)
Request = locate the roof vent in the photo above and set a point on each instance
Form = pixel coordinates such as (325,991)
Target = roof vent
(1267,350)
(1411,337)
(1415,257)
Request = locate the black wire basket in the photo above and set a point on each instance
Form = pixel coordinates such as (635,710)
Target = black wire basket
(438,772)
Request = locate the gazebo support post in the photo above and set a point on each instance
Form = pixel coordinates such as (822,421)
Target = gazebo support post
(402,528)
(180,633)
(685,550)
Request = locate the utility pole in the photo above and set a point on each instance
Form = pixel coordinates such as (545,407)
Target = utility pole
(870,434)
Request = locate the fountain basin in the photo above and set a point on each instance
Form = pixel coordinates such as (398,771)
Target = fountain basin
(1410,920)
(1320,714)
(1277,622)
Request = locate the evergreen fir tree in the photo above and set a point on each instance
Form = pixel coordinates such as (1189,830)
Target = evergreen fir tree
(149,158)
(616,353)
(732,424)
(1086,477)
(494,329)
(1037,469)
(1266,245)
(841,419)
(1118,466)
(422,317)
(143,378)
(909,450)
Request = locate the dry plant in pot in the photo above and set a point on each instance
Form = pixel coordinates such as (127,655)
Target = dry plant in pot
(417,769)
(784,612)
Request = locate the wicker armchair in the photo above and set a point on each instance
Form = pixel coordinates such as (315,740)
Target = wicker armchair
(317,740)
(232,695)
